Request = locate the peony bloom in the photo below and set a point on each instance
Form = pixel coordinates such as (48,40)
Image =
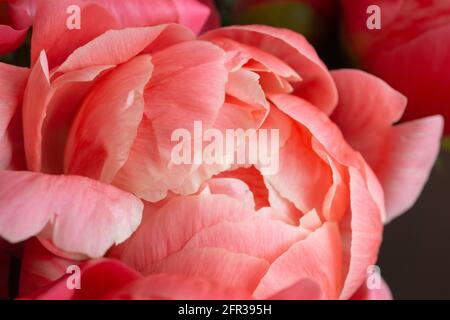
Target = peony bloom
(97,147)
(87,164)
(16,16)
(410,51)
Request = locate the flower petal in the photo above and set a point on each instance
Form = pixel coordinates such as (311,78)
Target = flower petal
(12,85)
(216,264)
(291,48)
(382,293)
(54,36)
(118,46)
(316,258)
(178,287)
(195,70)
(116,101)
(34,111)
(401,156)
(84,215)
(362,233)
(40,268)
(156,238)
(98,278)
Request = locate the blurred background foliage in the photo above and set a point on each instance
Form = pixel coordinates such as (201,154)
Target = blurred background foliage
(318,21)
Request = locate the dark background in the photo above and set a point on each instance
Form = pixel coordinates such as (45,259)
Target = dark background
(415,254)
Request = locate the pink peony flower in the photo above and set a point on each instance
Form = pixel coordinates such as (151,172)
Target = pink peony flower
(86,155)
(409,51)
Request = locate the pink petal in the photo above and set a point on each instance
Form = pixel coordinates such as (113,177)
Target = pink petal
(178,287)
(34,111)
(140,13)
(66,205)
(49,110)
(253,179)
(143,13)
(216,264)
(118,46)
(214,20)
(408,160)
(117,102)
(98,278)
(192,14)
(40,268)
(14,24)
(364,293)
(401,156)
(197,74)
(263,238)
(363,231)
(8,254)
(233,188)
(291,48)
(12,85)
(305,289)
(165,230)
(409,39)
(10,39)
(320,126)
(66,95)
(299,169)
(316,258)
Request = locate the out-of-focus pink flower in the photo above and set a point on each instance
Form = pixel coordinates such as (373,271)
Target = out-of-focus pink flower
(411,51)
(15,19)
(16,16)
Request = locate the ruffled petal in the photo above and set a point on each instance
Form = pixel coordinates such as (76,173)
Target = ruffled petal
(118,46)
(178,287)
(12,84)
(317,258)
(382,293)
(197,73)
(15,20)
(362,233)
(82,215)
(98,278)
(291,48)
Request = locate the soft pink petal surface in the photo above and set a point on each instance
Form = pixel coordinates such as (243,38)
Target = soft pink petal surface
(84,216)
